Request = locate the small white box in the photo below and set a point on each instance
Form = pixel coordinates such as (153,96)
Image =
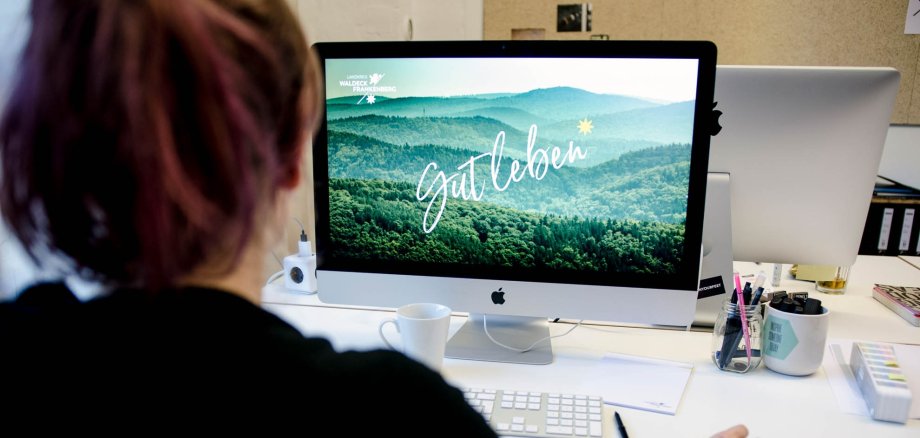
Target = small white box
(881,381)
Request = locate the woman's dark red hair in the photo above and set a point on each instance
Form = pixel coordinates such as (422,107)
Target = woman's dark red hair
(141,137)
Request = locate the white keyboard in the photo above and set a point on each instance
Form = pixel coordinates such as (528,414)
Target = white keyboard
(539,414)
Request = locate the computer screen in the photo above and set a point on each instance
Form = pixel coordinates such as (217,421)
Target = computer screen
(517,181)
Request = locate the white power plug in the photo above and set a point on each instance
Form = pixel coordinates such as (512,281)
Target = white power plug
(300,268)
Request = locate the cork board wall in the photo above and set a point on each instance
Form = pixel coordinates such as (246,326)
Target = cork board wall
(766,32)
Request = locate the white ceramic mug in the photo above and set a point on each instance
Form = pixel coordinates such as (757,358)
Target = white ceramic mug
(423,328)
(794,343)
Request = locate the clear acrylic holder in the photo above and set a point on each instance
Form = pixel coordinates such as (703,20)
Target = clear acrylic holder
(730,349)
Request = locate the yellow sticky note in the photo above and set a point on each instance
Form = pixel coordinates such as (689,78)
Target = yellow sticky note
(891,364)
(898,377)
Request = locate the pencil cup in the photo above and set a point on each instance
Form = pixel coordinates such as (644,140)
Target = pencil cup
(734,348)
(794,343)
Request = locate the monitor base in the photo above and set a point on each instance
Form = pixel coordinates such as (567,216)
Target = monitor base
(471,341)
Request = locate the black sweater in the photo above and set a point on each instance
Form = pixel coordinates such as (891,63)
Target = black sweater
(197,359)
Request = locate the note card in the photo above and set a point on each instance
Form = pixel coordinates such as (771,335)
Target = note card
(645,383)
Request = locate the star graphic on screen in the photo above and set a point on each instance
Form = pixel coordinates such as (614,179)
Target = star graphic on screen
(585,126)
(371,99)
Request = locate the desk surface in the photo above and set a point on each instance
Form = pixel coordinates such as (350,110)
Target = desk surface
(913,260)
(770,404)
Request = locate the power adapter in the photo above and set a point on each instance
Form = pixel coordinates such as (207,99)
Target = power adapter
(300,268)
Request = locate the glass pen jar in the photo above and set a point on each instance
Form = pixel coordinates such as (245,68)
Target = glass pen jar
(733,349)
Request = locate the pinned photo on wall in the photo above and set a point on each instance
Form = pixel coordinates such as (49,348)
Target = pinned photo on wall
(573,17)
(912,25)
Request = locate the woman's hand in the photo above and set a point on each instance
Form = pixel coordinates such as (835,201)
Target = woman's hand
(739,431)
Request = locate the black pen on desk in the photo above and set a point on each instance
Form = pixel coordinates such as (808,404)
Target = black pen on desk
(620,426)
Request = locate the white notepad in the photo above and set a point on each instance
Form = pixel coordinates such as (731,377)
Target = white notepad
(639,382)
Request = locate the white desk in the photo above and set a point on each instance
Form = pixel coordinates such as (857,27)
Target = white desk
(770,404)
(913,260)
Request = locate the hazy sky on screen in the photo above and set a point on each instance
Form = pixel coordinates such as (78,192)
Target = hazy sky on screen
(668,80)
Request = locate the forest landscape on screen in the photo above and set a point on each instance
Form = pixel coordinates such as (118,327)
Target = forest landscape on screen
(538,164)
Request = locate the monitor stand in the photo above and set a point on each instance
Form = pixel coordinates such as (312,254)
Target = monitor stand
(471,341)
(716,265)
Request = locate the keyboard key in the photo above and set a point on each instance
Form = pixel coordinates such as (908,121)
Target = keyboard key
(595,428)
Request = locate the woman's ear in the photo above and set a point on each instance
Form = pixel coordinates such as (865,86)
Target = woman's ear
(290,176)
(292,171)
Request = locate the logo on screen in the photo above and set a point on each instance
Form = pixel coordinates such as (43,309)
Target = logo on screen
(367,86)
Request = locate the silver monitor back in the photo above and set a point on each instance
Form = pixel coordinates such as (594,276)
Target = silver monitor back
(803,146)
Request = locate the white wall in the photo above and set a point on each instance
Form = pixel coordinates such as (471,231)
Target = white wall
(388,20)
(901,157)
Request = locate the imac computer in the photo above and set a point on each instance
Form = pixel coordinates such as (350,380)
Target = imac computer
(515,181)
(793,167)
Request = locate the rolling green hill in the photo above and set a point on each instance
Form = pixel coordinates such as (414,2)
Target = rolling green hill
(620,124)
(471,133)
(566,103)
(662,124)
(629,187)
(622,208)
(378,221)
(548,104)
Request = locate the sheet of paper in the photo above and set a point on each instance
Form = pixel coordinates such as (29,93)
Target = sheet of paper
(849,399)
(912,25)
(642,383)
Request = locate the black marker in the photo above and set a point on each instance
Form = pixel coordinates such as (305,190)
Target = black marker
(620,426)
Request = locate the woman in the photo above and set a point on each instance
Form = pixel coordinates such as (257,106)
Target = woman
(155,145)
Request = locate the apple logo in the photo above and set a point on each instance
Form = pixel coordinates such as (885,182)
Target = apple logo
(498,297)
(716,127)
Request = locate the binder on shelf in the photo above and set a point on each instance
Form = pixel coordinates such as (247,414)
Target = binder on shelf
(893,222)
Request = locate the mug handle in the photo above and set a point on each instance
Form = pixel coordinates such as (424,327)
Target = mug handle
(382,336)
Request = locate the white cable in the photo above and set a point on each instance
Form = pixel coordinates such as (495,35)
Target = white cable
(485,327)
(274,277)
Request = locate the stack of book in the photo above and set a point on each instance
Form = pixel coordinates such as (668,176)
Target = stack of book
(893,222)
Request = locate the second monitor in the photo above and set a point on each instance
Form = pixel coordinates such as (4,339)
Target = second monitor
(793,167)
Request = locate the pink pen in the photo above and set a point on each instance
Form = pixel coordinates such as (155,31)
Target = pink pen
(744,323)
